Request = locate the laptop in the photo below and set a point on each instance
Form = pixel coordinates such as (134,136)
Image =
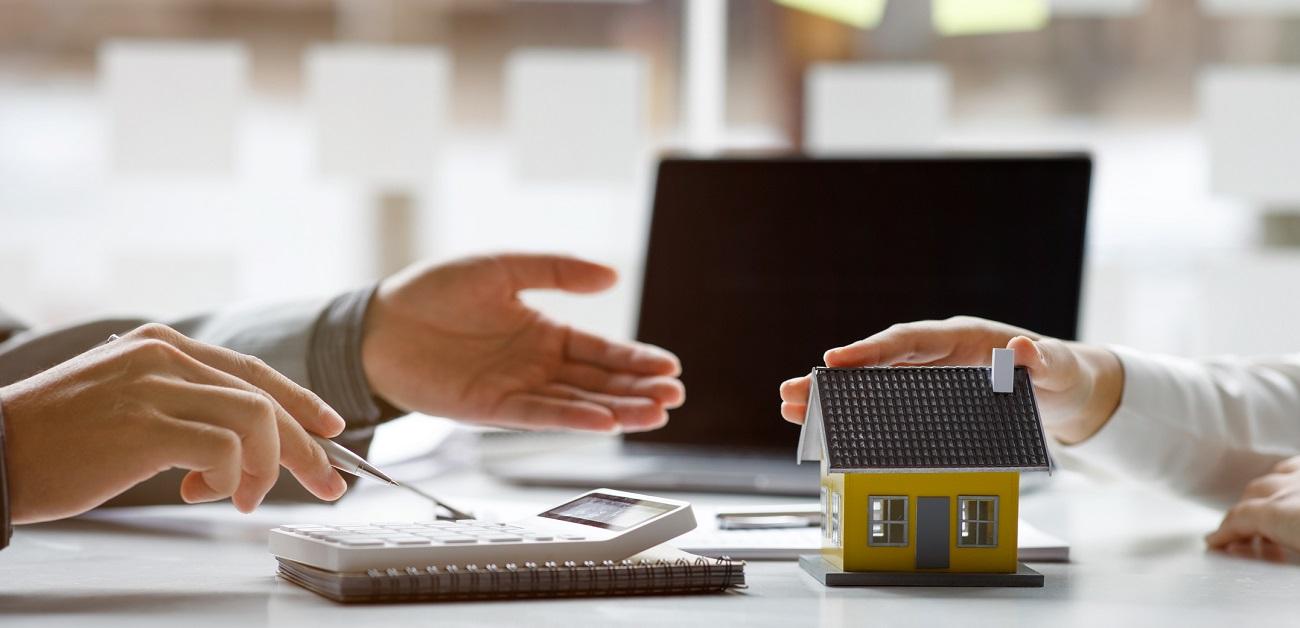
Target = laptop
(757,265)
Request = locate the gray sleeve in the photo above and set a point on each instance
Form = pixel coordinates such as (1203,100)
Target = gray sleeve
(6,521)
(334,365)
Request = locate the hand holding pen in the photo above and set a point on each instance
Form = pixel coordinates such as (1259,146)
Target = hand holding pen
(92,427)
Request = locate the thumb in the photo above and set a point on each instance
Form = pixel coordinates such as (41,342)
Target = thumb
(556,272)
(1050,362)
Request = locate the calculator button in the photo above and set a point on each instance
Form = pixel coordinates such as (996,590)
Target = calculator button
(500,538)
(360,542)
(458,540)
(339,536)
(541,537)
(413,540)
(571,537)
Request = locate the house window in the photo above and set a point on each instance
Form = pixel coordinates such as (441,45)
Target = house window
(826,514)
(835,519)
(978,525)
(888,521)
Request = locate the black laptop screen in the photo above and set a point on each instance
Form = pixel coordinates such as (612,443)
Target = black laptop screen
(756,266)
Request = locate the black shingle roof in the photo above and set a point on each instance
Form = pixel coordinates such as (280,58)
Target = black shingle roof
(919,418)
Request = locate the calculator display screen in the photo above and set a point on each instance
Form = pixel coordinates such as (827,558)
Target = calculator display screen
(612,512)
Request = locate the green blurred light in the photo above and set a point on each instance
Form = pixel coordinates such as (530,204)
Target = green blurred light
(977,17)
(859,13)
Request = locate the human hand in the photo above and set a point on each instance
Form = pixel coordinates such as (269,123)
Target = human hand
(1077,386)
(88,429)
(1265,522)
(454,340)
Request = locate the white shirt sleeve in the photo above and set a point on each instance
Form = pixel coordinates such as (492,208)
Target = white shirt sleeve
(1203,427)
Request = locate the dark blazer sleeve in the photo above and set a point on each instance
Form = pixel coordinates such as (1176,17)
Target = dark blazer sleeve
(8,327)
(6,522)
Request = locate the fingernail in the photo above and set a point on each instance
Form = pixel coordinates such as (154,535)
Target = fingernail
(337,484)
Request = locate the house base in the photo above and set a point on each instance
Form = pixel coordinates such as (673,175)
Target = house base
(829,575)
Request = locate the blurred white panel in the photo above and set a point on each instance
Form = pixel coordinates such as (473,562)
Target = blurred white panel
(1096,8)
(857,107)
(173,106)
(18,288)
(167,282)
(1251,303)
(1102,312)
(1160,310)
(1252,125)
(576,114)
(1251,7)
(378,110)
(705,70)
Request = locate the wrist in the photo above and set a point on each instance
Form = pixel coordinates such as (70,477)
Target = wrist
(1103,376)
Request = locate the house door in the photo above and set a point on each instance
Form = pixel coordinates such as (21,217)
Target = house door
(932,518)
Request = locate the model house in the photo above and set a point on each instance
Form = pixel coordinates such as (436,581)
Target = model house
(921,465)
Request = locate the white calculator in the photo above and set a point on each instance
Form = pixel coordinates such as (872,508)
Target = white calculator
(600,525)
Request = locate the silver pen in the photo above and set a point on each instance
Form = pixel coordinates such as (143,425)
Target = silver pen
(343,459)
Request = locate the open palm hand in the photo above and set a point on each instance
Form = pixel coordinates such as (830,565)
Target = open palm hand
(455,340)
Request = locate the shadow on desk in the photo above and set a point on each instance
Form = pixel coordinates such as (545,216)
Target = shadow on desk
(130,602)
(160,526)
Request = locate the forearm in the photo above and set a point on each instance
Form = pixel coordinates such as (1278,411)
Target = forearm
(1205,428)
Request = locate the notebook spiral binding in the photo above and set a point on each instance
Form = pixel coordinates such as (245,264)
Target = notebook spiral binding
(551,579)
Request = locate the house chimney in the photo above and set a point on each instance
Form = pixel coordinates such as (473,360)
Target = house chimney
(1003,371)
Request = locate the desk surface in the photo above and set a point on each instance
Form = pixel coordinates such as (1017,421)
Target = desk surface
(1138,560)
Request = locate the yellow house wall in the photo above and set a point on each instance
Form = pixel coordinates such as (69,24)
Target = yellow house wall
(854,489)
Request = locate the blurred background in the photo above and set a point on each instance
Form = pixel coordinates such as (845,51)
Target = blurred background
(168,156)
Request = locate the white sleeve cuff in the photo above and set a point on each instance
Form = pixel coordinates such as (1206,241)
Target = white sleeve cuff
(1169,427)
(1146,435)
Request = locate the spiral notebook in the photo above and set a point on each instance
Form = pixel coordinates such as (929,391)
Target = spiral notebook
(659,571)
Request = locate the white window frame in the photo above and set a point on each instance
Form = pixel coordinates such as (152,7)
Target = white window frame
(874,519)
(963,522)
(835,518)
(826,513)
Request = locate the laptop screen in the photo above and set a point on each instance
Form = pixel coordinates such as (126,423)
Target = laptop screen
(756,266)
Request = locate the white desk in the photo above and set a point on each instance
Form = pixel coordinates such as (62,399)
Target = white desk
(1138,560)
